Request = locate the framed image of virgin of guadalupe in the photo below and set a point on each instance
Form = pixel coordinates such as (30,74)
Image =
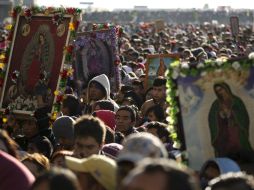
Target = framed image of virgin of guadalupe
(216,107)
(156,65)
(97,53)
(36,59)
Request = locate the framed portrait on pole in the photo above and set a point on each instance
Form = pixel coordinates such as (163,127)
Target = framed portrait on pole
(215,105)
(96,52)
(37,56)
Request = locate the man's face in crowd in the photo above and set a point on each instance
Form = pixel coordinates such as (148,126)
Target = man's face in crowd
(159,93)
(137,89)
(85,147)
(95,93)
(123,120)
(143,181)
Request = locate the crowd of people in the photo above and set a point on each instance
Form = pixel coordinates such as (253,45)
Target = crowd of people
(108,140)
(170,16)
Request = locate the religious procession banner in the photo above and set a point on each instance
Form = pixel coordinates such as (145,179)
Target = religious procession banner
(38,60)
(156,65)
(216,104)
(96,52)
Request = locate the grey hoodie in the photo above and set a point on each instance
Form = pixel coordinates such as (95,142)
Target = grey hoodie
(103,80)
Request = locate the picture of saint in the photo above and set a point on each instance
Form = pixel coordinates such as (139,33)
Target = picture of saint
(228,123)
(37,59)
(93,59)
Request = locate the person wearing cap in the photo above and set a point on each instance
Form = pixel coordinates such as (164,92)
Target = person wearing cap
(34,126)
(136,147)
(89,136)
(14,175)
(111,150)
(95,172)
(63,128)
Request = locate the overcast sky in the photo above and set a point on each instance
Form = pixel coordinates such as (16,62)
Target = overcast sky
(112,4)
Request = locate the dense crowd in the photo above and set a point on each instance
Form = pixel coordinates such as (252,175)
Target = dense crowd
(108,140)
(169,16)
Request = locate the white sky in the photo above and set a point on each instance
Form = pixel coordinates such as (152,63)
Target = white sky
(112,4)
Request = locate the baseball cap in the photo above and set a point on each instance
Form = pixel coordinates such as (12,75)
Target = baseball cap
(64,127)
(111,150)
(138,146)
(102,168)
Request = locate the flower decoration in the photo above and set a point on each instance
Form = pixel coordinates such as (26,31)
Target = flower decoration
(119,31)
(43,76)
(117,60)
(3,61)
(106,26)
(68,50)
(8,27)
(70,11)
(71,26)
(95,26)
(57,18)
(14,76)
(28,14)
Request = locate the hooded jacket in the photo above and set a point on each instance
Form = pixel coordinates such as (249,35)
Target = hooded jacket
(225,165)
(103,80)
(108,117)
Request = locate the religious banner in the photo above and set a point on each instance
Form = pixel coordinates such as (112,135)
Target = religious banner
(216,104)
(159,25)
(36,57)
(156,65)
(234,25)
(96,52)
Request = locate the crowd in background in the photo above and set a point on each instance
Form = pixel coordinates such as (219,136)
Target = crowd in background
(108,140)
(169,16)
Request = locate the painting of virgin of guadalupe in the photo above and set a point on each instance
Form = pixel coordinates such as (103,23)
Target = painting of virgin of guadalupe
(36,59)
(156,65)
(216,109)
(94,59)
(228,122)
(95,54)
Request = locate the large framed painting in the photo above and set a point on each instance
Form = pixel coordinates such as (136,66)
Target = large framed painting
(36,58)
(156,65)
(97,53)
(216,107)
